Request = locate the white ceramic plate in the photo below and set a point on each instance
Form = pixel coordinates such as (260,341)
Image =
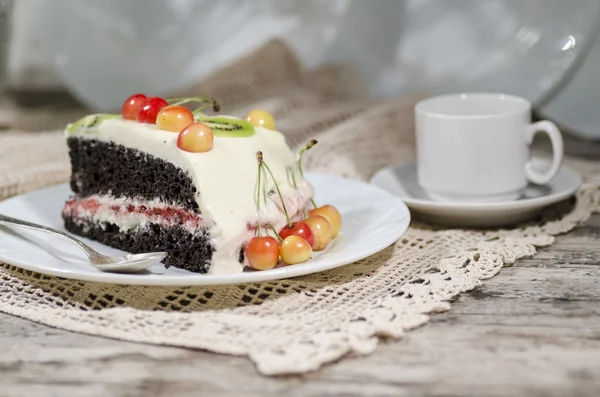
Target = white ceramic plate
(401,180)
(373,219)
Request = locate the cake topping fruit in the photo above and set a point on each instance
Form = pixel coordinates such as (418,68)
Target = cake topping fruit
(196,138)
(261,118)
(262,252)
(321,231)
(89,121)
(295,249)
(221,126)
(228,126)
(131,106)
(332,215)
(174,118)
(170,115)
(149,109)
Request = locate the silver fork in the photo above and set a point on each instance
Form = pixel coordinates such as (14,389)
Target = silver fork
(116,264)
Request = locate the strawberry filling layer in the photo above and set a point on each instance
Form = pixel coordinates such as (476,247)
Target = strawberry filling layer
(118,211)
(128,214)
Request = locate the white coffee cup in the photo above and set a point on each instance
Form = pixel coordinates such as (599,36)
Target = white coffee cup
(476,147)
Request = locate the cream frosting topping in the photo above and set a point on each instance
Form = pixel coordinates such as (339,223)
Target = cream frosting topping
(225,178)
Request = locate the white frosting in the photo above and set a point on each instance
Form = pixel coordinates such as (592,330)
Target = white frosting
(225,178)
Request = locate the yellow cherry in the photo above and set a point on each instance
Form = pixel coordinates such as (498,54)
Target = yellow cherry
(261,118)
(196,138)
(332,215)
(295,249)
(321,231)
(174,118)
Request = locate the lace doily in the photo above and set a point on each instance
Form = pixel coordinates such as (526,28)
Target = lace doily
(296,325)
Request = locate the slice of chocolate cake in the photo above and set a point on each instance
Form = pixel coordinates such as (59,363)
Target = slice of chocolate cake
(135,189)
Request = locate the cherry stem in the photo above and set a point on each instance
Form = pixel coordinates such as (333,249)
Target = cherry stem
(294,180)
(308,146)
(275,231)
(264,187)
(199,111)
(261,162)
(184,100)
(258,201)
(208,101)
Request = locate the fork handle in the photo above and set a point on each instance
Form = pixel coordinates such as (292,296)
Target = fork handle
(7,220)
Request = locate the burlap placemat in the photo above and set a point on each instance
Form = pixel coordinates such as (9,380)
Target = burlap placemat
(296,325)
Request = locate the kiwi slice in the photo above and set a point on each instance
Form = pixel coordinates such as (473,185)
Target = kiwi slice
(228,127)
(89,121)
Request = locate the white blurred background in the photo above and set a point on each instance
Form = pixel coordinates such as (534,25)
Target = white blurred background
(102,51)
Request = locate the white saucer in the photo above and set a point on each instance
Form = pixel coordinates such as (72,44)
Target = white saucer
(401,180)
(366,230)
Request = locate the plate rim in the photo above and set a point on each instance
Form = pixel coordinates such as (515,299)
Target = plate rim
(525,204)
(222,279)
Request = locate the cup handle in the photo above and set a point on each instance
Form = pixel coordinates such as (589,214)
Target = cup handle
(557,151)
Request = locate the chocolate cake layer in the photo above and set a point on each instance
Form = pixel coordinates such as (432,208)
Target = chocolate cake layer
(101,167)
(187,251)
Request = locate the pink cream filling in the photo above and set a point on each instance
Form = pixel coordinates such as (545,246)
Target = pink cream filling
(163,214)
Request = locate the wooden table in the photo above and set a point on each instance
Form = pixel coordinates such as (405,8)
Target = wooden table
(534,330)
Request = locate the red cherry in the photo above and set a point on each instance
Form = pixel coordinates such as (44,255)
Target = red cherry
(299,229)
(132,105)
(262,253)
(149,109)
